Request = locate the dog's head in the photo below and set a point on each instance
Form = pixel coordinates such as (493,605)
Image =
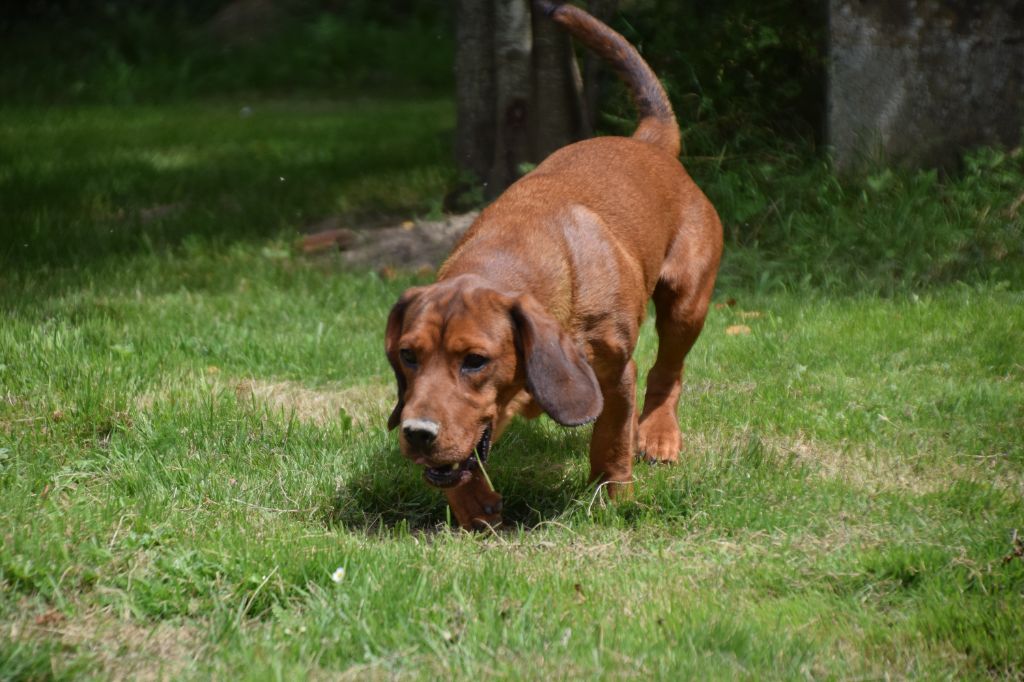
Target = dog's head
(461,352)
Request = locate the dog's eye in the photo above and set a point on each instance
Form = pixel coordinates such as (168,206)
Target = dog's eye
(408,357)
(474,362)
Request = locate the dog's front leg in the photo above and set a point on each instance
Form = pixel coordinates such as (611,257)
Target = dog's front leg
(475,504)
(611,446)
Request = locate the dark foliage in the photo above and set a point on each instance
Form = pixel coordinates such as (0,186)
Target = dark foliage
(119,52)
(739,72)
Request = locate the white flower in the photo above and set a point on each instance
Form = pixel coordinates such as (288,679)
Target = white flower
(339,574)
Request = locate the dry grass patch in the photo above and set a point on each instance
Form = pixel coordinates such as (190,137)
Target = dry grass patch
(857,465)
(120,649)
(365,405)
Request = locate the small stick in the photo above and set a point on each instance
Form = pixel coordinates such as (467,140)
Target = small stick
(487,478)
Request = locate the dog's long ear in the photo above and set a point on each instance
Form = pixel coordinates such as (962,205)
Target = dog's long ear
(558,375)
(392,335)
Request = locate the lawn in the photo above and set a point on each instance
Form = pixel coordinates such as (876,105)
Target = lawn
(192,442)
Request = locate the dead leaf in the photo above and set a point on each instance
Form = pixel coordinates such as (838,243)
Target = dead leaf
(408,225)
(48,618)
(326,240)
(750,314)
(737,330)
(387,273)
(580,597)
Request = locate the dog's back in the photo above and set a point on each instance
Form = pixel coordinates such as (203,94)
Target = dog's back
(628,197)
(609,198)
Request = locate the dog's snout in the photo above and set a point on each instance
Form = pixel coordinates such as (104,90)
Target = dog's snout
(420,433)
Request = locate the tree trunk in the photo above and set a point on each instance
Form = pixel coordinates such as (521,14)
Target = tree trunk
(518,91)
(557,89)
(474,87)
(513,43)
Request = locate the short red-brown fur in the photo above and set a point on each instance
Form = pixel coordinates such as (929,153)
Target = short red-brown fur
(569,254)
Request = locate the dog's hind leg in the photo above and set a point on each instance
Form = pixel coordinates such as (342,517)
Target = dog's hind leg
(681,300)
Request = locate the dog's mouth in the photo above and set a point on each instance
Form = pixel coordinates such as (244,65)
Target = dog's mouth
(452,475)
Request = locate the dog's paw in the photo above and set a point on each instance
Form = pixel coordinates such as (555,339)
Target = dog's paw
(659,440)
(475,505)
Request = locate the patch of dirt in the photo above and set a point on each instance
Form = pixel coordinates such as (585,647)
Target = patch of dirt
(412,245)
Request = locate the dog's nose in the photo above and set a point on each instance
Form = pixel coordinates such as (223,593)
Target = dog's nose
(420,433)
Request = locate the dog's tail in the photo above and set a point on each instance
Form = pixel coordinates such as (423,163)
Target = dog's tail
(657,122)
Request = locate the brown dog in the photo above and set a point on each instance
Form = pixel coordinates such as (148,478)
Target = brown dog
(539,306)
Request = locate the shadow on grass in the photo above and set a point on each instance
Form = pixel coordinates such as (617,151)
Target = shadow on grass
(84,184)
(539,468)
(541,471)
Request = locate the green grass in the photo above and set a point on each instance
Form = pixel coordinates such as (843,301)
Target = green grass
(192,442)
(791,221)
(84,183)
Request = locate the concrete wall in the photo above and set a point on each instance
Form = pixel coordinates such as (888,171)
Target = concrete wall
(918,81)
